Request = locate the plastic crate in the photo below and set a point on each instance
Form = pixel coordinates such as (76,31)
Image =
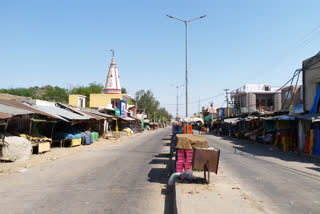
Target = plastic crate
(179,166)
(189,154)
(180,155)
(187,167)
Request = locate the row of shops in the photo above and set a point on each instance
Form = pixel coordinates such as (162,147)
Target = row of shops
(290,133)
(43,124)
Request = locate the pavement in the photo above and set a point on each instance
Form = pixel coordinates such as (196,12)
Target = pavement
(125,177)
(254,178)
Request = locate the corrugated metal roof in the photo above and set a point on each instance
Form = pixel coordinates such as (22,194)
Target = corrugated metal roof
(127,118)
(13,111)
(56,111)
(4,116)
(92,111)
(27,107)
(74,110)
(97,117)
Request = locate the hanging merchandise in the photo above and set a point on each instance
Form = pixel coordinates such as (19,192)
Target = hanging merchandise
(311,142)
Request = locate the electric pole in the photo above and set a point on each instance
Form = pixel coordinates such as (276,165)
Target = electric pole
(177,114)
(227,99)
(199,107)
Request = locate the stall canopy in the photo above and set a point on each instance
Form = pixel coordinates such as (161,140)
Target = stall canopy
(13,111)
(312,117)
(207,117)
(127,118)
(27,107)
(286,117)
(59,112)
(232,120)
(4,116)
(196,120)
(95,112)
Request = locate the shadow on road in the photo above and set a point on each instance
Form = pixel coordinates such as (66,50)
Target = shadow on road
(254,149)
(159,161)
(161,176)
(158,175)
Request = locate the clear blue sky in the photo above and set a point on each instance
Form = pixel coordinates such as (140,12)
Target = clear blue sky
(67,43)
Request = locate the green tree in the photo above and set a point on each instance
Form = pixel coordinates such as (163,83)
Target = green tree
(93,88)
(150,104)
(26,92)
(123,91)
(55,94)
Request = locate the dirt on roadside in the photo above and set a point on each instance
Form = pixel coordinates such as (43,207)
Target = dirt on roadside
(58,153)
(222,195)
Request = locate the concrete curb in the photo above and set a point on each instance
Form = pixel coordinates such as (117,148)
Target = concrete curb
(174,190)
(177,198)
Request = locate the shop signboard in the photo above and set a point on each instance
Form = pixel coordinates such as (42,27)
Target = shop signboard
(296,109)
(117,112)
(123,108)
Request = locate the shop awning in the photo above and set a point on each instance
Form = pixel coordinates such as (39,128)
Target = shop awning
(207,117)
(127,118)
(13,111)
(146,121)
(286,117)
(4,116)
(313,117)
(232,120)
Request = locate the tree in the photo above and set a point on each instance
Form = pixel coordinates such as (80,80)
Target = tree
(123,91)
(93,88)
(55,94)
(26,92)
(150,104)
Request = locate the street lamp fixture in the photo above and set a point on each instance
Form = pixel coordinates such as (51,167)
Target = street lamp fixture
(186,24)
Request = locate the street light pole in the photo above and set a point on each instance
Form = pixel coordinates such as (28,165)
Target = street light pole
(186,26)
(178,100)
(186,22)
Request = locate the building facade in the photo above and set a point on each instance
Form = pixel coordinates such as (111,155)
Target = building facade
(291,96)
(256,98)
(311,80)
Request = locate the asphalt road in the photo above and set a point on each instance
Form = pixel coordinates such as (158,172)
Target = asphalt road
(125,177)
(282,182)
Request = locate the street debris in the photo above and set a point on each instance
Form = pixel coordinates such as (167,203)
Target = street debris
(23,170)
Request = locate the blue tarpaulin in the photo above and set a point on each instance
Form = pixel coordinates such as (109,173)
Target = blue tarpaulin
(314,108)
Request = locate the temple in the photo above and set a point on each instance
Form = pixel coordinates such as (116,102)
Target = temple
(112,85)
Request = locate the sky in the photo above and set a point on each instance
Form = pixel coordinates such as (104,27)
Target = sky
(67,43)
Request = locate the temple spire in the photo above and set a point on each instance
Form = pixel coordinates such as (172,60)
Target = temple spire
(112,85)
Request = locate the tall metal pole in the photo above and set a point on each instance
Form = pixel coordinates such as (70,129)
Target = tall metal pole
(177,103)
(226,90)
(186,24)
(177,87)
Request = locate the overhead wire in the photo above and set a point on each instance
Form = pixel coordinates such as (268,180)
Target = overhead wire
(294,89)
(197,100)
(286,98)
